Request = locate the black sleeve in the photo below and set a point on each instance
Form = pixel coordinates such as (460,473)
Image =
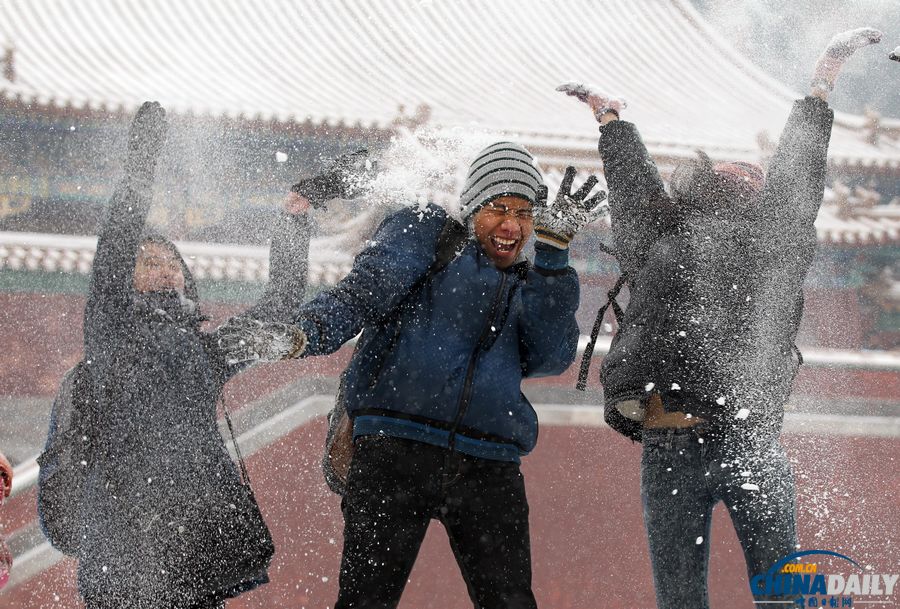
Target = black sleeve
(795,182)
(286,290)
(288,269)
(639,206)
(112,274)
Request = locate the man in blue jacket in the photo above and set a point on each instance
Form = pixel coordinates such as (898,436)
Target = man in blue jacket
(433,390)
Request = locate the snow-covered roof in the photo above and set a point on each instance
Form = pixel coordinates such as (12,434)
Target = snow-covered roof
(474,64)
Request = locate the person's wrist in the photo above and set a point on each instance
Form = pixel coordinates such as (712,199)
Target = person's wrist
(550,257)
(606,115)
(551,237)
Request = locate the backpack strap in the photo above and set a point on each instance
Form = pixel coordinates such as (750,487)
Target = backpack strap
(449,243)
(598,323)
(245,477)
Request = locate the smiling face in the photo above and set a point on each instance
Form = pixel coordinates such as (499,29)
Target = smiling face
(502,227)
(157,269)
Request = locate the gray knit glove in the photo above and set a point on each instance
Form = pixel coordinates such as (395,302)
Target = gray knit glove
(840,48)
(248,340)
(557,223)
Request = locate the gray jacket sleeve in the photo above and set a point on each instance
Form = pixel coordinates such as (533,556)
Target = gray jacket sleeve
(639,206)
(795,182)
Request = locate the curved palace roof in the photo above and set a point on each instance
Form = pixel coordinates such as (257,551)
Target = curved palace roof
(481,65)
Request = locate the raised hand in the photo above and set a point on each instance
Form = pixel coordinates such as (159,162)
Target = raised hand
(146,138)
(840,48)
(599,102)
(247,340)
(556,224)
(346,178)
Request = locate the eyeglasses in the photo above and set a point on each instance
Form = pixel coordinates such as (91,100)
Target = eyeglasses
(498,210)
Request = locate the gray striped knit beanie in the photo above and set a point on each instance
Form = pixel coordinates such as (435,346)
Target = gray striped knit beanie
(501,169)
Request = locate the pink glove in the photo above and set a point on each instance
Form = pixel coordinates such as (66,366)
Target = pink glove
(600,102)
(6,476)
(839,50)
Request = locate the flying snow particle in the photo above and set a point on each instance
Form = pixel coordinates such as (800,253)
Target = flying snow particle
(699,540)
(743,413)
(749,486)
(746,474)
(649,386)
(281,157)
(682,333)
(720,400)
(674,491)
(675,386)
(700,440)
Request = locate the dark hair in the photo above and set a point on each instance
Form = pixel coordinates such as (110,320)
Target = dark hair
(697,186)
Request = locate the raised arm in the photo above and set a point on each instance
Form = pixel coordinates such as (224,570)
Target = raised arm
(399,254)
(288,263)
(112,275)
(795,182)
(548,330)
(263,333)
(638,203)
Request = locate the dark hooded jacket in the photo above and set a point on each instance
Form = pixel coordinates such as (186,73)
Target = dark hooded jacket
(159,466)
(715,285)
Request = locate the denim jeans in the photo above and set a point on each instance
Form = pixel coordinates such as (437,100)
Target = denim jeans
(684,474)
(394,490)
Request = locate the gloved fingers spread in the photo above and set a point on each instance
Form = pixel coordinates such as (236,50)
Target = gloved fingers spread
(565,186)
(589,184)
(540,198)
(596,207)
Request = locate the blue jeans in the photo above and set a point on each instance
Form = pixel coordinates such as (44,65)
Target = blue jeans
(684,474)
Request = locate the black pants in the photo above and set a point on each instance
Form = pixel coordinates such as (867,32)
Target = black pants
(396,487)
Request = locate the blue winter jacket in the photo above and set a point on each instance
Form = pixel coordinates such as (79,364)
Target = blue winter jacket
(443,362)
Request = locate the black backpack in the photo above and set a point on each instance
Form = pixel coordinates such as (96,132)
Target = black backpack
(339,440)
(64,462)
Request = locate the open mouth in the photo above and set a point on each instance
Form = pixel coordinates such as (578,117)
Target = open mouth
(504,245)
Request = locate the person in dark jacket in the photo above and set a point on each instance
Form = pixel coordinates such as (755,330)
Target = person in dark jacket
(160,526)
(703,361)
(434,388)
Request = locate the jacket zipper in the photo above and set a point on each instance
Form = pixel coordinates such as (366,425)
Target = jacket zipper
(473,360)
